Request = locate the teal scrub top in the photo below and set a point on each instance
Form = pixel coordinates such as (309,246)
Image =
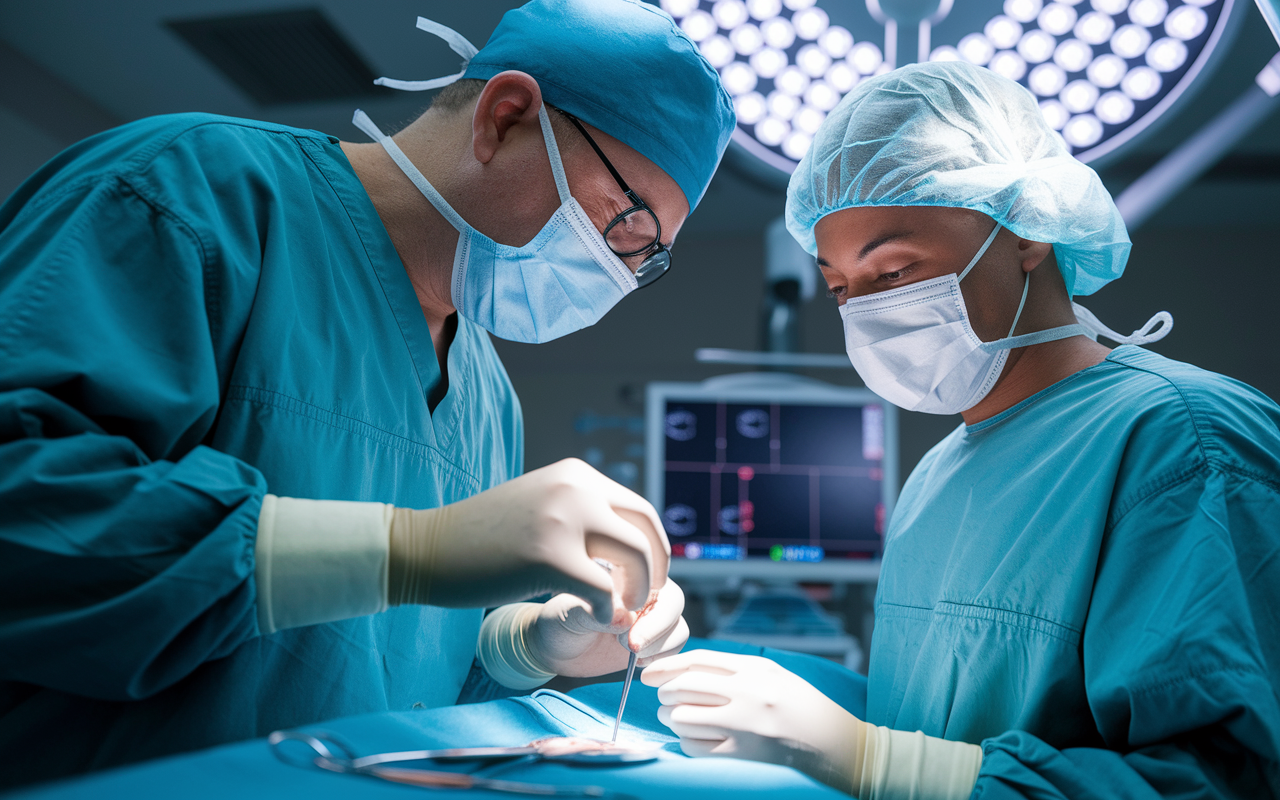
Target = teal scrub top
(1088,585)
(194,311)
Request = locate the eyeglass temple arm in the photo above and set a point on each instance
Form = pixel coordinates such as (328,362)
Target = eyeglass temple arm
(603,159)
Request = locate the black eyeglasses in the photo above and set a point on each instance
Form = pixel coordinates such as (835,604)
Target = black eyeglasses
(636,231)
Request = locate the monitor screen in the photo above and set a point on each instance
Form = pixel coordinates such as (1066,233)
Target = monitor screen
(772,467)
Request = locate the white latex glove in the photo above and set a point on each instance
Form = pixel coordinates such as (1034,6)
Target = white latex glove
(568,640)
(536,534)
(723,704)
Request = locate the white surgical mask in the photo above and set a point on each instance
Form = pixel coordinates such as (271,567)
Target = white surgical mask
(915,347)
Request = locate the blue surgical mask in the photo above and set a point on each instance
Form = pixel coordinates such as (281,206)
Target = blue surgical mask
(562,281)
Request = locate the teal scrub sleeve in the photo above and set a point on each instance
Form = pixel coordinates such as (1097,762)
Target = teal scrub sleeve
(126,546)
(1177,645)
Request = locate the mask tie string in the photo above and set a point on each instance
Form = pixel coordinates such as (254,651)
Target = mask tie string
(457,42)
(1158,327)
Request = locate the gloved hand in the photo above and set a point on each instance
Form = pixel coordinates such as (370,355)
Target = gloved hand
(567,640)
(724,704)
(536,534)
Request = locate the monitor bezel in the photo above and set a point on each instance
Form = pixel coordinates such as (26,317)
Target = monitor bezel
(771,387)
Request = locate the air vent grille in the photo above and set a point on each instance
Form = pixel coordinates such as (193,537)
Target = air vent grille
(281,56)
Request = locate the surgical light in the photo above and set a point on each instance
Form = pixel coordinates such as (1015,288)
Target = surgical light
(1112,7)
(1057,18)
(729,14)
(813,61)
(1079,96)
(1055,113)
(796,145)
(1141,83)
(1107,70)
(809,119)
(718,51)
(699,25)
(758,9)
(1036,46)
(768,62)
(798,5)
(1095,28)
(821,96)
(1186,23)
(738,78)
(783,105)
(1009,64)
(1073,55)
(945,53)
(1114,108)
(778,32)
(1082,130)
(1148,13)
(1167,54)
(1047,80)
(746,39)
(750,108)
(976,49)
(680,8)
(836,41)
(809,23)
(771,131)
(1130,41)
(841,77)
(1023,10)
(1004,32)
(865,57)
(792,80)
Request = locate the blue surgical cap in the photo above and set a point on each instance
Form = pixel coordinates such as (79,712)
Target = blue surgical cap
(957,135)
(626,68)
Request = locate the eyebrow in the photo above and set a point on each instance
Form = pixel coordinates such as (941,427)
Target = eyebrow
(872,245)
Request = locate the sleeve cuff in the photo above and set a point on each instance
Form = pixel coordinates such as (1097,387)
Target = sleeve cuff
(503,649)
(320,561)
(911,766)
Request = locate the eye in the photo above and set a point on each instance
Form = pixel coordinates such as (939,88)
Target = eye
(836,292)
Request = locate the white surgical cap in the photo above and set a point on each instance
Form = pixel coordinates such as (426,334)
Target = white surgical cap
(958,135)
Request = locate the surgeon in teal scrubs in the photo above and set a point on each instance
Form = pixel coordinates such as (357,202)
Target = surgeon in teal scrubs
(1080,592)
(259,463)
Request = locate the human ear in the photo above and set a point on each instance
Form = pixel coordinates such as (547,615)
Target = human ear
(1032,254)
(509,99)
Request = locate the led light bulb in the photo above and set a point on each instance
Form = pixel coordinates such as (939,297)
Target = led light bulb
(1186,23)
(1107,70)
(1095,27)
(718,51)
(1073,55)
(1200,3)
(698,25)
(1141,83)
(841,77)
(782,105)
(836,41)
(679,8)
(770,131)
(763,9)
(822,96)
(1055,113)
(798,5)
(1130,41)
(1036,46)
(1023,10)
(812,60)
(1148,13)
(738,78)
(810,23)
(945,53)
(1008,64)
(976,49)
(1082,130)
(750,108)
(1167,54)
(796,145)
(1114,108)
(746,39)
(778,32)
(1057,18)
(729,14)
(1047,80)
(792,80)
(809,119)
(1004,32)
(1112,7)
(1079,96)
(865,57)
(768,62)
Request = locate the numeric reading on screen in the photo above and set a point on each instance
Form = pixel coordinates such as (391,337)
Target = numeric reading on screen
(783,481)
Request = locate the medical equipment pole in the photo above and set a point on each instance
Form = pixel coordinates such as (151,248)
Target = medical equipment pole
(1173,173)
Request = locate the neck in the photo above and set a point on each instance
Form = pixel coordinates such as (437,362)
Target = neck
(1033,369)
(423,238)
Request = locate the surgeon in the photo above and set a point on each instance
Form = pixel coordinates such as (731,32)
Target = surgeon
(1080,592)
(258,459)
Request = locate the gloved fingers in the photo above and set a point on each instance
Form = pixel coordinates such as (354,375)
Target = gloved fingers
(658,621)
(641,513)
(694,722)
(576,616)
(585,579)
(667,647)
(613,539)
(701,748)
(694,688)
(712,661)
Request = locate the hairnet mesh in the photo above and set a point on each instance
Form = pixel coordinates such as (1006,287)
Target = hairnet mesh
(957,135)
